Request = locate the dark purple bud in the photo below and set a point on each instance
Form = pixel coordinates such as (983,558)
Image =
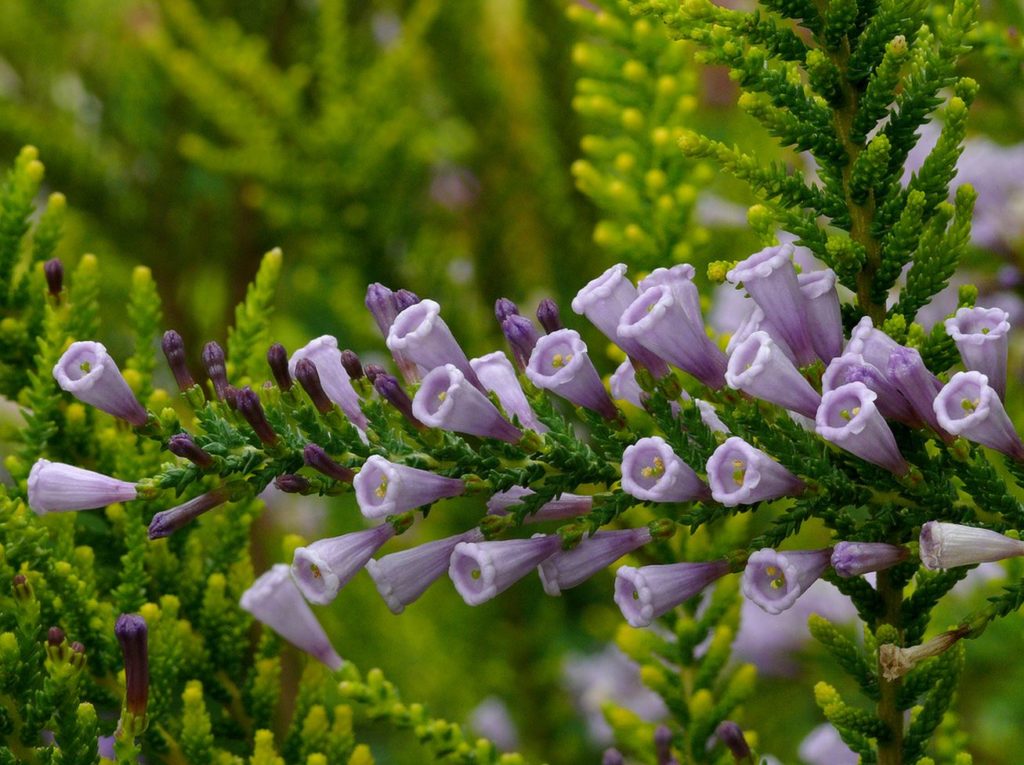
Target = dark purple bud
(352,365)
(503,308)
(133,635)
(521,336)
(77,658)
(174,351)
(612,757)
(373,371)
(292,484)
(22,589)
(404,299)
(549,316)
(78,647)
(315,457)
(166,522)
(55,636)
(216,368)
(251,409)
(53,269)
(182,445)
(309,379)
(380,301)
(231,396)
(389,389)
(731,735)
(277,358)
(663,744)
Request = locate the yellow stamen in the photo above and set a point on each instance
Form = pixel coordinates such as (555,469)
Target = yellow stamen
(315,570)
(656,468)
(739,471)
(85,366)
(382,490)
(560,360)
(970,406)
(475,573)
(442,395)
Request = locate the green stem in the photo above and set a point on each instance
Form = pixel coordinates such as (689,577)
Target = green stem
(890,749)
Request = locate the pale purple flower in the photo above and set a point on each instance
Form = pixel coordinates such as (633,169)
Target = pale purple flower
(88,373)
(949,545)
(858,558)
(873,344)
(560,363)
(759,367)
(323,353)
(324,567)
(166,522)
(652,472)
(275,601)
(498,376)
(603,301)
(755,321)
(982,337)
(919,387)
(824,746)
(402,577)
(660,320)
(421,335)
(709,416)
(386,488)
(624,386)
(54,487)
(968,406)
(824,318)
(447,400)
(383,306)
(851,367)
(769,277)
(774,580)
(491,719)
(740,474)
(643,594)
(565,505)
(679,279)
(482,570)
(569,568)
(849,419)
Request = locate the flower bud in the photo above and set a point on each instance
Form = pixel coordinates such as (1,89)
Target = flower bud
(351,364)
(174,351)
(277,358)
(53,270)
(133,635)
(251,409)
(315,457)
(290,483)
(503,308)
(216,368)
(308,377)
(182,445)
(389,389)
(549,316)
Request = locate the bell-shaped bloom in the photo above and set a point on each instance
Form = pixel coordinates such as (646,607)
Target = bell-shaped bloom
(949,545)
(851,367)
(386,488)
(849,419)
(565,505)
(324,354)
(652,472)
(658,320)
(760,368)
(166,522)
(770,279)
(569,568)
(482,570)
(402,577)
(982,337)
(498,376)
(643,594)
(560,363)
(603,301)
(918,386)
(327,565)
(740,474)
(624,386)
(774,580)
(447,400)
(858,558)
(54,487)
(873,344)
(88,373)
(824,318)
(968,406)
(275,601)
(421,335)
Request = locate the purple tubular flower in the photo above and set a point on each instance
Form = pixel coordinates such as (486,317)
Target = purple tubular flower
(858,558)
(949,545)
(851,367)
(53,270)
(873,344)
(182,445)
(918,386)
(709,416)
(216,368)
(549,316)
(249,406)
(327,565)
(315,457)
(277,359)
(643,594)
(760,368)
(309,379)
(324,354)
(275,601)
(482,570)
(848,418)
(624,385)
(770,279)
(402,577)
(569,568)
(563,506)
(982,337)
(383,305)
(968,406)
(447,400)
(603,301)
(174,351)
(389,389)
(652,472)
(166,522)
(560,363)
(498,376)
(521,336)
(133,636)
(659,321)
(503,308)
(421,335)
(385,488)
(774,580)
(824,318)
(54,487)
(351,364)
(88,373)
(740,474)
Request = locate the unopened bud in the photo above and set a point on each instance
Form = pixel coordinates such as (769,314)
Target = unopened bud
(216,368)
(53,269)
(352,365)
(174,351)
(549,316)
(309,378)
(277,358)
